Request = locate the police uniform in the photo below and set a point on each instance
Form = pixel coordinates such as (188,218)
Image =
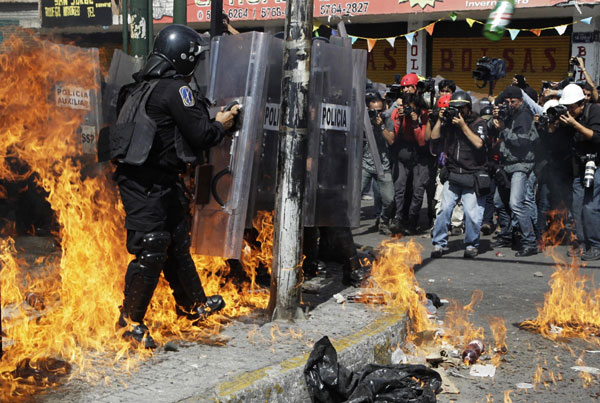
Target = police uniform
(155,199)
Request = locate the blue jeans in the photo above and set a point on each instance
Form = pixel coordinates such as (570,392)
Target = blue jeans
(517,202)
(473,207)
(385,186)
(586,211)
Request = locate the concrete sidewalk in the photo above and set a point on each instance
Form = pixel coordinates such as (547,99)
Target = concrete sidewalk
(260,360)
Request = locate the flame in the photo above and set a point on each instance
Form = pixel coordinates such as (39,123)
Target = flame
(572,306)
(507,398)
(82,287)
(392,273)
(498,328)
(458,328)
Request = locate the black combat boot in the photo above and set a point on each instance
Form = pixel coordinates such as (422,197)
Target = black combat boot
(353,273)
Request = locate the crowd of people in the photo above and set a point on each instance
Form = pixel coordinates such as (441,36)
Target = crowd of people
(503,165)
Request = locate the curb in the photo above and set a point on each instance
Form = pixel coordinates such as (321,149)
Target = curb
(284,382)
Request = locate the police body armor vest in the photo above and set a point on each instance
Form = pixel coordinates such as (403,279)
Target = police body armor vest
(129,140)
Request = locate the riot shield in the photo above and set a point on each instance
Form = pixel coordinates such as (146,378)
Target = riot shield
(70,95)
(122,67)
(331,156)
(359,78)
(202,72)
(262,188)
(238,70)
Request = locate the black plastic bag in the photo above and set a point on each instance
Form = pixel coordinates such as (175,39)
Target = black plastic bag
(329,382)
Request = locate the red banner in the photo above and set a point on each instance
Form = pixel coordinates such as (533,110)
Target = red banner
(199,11)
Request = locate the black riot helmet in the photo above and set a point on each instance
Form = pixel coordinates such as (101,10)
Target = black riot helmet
(181,46)
(460,99)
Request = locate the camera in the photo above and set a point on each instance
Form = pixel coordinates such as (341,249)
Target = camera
(427,85)
(504,112)
(450,113)
(408,110)
(574,61)
(590,170)
(555,112)
(373,113)
(489,69)
(543,120)
(394,92)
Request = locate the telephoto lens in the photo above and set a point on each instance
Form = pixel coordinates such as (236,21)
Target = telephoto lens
(588,175)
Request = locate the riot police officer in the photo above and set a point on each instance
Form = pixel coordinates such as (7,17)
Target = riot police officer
(170,129)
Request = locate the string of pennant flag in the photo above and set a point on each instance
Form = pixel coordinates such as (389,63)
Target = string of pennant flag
(409,36)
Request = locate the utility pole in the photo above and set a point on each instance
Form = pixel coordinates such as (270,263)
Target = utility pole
(125,25)
(291,163)
(180,12)
(216,23)
(138,30)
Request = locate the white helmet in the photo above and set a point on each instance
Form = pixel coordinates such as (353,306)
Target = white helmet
(549,104)
(571,94)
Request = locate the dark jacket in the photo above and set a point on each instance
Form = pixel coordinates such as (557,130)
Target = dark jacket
(184,128)
(590,118)
(461,154)
(519,137)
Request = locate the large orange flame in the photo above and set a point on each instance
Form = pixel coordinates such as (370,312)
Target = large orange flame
(572,306)
(82,288)
(392,274)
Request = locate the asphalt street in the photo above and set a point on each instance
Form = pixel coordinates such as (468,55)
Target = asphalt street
(513,292)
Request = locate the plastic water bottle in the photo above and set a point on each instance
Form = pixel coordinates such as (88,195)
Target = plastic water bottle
(498,20)
(473,351)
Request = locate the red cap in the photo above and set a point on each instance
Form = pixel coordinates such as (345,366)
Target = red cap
(444,101)
(409,79)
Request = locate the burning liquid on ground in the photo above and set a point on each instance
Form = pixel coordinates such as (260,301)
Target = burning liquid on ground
(81,289)
(572,306)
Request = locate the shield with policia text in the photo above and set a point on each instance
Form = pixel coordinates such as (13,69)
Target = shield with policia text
(262,188)
(67,93)
(333,138)
(238,70)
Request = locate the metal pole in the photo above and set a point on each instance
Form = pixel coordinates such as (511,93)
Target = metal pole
(150,26)
(139,28)
(216,24)
(125,17)
(180,12)
(291,164)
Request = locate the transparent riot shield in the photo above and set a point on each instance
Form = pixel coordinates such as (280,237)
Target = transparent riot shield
(359,78)
(69,94)
(238,72)
(331,154)
(202,71)
(122,67)
(262,188)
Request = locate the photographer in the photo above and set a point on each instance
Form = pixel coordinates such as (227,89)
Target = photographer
(583,123)
(591,88)
(409,83)
(513,125)
(412,156)
(464,176)
(435,186)
(553,164)
(385,184)
(446,87)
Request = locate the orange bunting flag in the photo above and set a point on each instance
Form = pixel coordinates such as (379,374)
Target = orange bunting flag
(537,32)
(371,44)
(429,28)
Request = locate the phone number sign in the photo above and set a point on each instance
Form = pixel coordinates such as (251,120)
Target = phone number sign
(199,11)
